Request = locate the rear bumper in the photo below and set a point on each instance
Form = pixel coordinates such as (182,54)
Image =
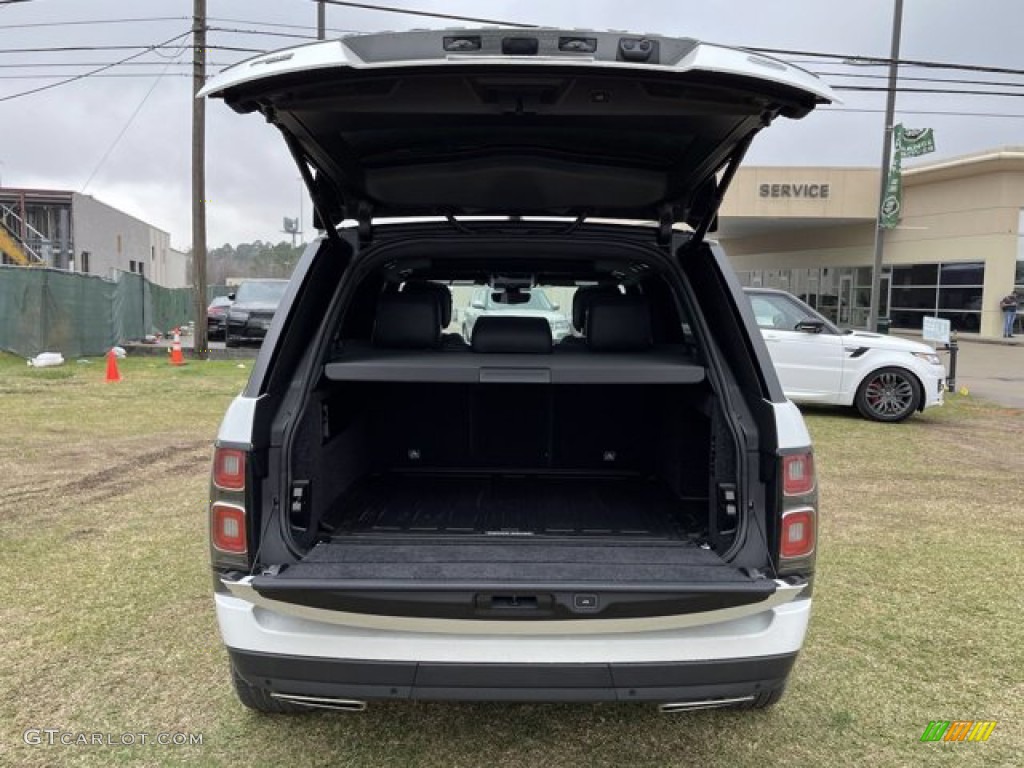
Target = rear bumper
(730,659)
(358,679)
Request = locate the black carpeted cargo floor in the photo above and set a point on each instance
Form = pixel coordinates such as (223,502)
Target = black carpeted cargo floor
(517,505)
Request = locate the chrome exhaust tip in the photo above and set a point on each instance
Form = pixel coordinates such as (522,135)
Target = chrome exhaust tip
(688,706)
(322,702)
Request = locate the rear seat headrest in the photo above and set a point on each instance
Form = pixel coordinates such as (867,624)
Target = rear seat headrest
(619,323)
(526,335)
(581,302)
(407,321)
(441,292)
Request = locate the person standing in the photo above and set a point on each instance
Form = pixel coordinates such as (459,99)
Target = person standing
(1008,304)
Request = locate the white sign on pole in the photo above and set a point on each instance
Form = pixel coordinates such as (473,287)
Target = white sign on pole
(935,329)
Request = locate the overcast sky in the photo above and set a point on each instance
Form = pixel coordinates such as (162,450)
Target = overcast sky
(61,137)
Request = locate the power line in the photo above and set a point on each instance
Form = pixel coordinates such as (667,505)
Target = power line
(410,12)
(279,24)
(104,22)
(875,61)
(70,48)
(949,81)
(148,19)
(934,91)
(93,72)
(131,119)
(52,64)
(260,32)
(125,75)
(945,113)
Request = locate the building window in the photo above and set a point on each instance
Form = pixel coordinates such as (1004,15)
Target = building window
(952,291)
(119,244)
(85,263)
(142,268)
(131,266)
(1019,276)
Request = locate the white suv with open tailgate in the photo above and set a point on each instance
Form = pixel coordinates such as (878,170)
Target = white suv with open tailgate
(628,513)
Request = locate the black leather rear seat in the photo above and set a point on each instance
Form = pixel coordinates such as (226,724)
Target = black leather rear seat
(619,324)
(407,321)
(518,335)
(445,305)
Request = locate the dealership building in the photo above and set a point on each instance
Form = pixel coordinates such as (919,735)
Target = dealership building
(958,249)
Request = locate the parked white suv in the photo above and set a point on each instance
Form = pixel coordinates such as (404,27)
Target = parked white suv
(887,378)
(514,301)
(627,515)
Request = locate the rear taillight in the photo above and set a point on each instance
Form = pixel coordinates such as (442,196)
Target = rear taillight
(229,505)
(797,537)
(798,515)
(797,474)
(227,528)
(229,469)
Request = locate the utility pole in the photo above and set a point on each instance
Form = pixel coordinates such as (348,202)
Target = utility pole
(321,20)
(200,339)
(890,109)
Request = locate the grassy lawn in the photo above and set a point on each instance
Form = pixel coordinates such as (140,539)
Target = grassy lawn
(107,622)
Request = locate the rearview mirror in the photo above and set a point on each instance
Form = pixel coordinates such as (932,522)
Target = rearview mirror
(555,305)
(477,304)
(810,325)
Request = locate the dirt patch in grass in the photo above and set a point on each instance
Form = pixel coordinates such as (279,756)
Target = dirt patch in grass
(107,622)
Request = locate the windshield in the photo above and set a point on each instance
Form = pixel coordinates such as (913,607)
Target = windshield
(269,292)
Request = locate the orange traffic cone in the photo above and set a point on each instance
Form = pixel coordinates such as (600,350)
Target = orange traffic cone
(112,373)
(176,357)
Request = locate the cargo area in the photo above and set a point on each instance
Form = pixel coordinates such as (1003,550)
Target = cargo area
(613,466)
(430,459)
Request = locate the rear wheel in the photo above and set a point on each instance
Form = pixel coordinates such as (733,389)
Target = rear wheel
(260,700)
(888,394)
(230,341)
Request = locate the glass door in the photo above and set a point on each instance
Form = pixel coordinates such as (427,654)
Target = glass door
(845,299)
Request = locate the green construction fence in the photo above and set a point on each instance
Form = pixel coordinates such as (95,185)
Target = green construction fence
(49,310)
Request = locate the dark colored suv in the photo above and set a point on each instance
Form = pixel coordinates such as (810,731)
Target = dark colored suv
(628,513)
(249,317)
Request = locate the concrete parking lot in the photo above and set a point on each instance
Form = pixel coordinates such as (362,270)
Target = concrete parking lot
(992,371)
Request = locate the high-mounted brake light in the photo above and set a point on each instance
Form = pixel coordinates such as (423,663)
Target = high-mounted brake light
(227,528)
(229,469)
(797,474)
(797,533)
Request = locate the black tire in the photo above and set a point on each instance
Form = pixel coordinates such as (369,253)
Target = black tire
(259,700)
(889,395)
(230,342)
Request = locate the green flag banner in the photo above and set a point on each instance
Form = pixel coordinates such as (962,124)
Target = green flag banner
(892,202)
(907,142)
(914,142)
